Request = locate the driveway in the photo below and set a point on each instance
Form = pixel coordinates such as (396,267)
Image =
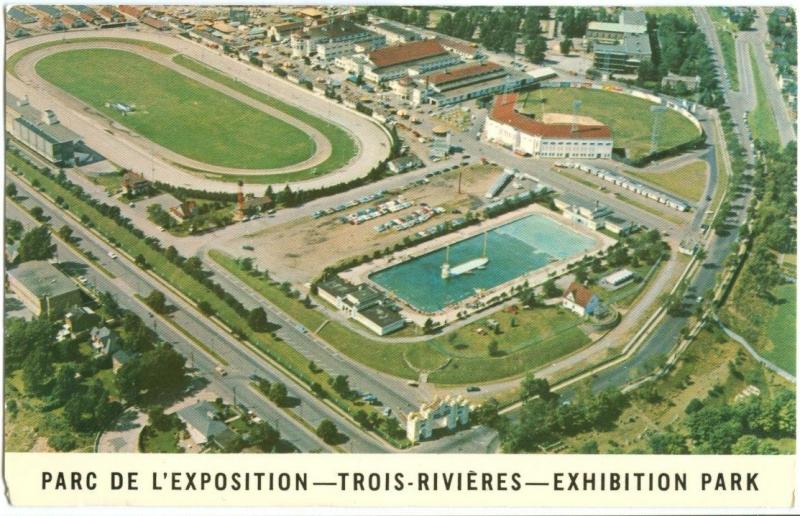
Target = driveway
(124,437)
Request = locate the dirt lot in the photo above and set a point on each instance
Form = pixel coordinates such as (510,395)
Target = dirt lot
(308,245)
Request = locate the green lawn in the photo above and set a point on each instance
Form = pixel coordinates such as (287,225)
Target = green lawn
(762,121)
(728,46)
(176,112)
(628,117)
(687,182)
(343,147)
(540,336)
(782,329)
(686,12)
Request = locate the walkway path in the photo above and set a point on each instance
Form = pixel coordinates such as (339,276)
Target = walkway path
(746,345)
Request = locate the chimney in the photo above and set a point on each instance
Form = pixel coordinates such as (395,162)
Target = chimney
(49,118)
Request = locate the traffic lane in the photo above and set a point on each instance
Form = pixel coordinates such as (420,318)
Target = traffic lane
(388,390)
(232,351)
(197,359)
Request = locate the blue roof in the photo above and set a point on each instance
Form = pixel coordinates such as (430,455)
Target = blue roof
(49,9)
(21,16)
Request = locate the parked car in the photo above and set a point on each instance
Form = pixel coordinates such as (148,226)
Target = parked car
(473,388)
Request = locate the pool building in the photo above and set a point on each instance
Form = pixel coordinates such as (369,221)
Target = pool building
(507,254)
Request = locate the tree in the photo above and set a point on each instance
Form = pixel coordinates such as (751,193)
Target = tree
(257,319)
(36,372)
(668,443)
(205,307)
(264,436)
(535,48)
(746,20)
(341,385)
(157,301)
(278,393)
(65,384)
(550,289)
(493,350)
(11,190)
(327,431)
(155,374)
(427,327)
(565,46)
(157,418)
(532,387)
(36,245)
(38,213)
(65,232)
(14,230)
(581,275)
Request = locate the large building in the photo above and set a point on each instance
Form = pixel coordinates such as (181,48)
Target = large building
(450,413)
(395,34)
(465,82)
(620,47)
(560,137)
(334,40)
(413,59)
(362,303)
(41,131)
(43,289)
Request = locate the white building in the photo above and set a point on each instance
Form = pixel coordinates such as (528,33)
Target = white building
(527,136)
(450,412)
(414,59)
(334,40)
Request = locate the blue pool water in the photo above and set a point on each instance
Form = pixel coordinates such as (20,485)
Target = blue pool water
(514,249)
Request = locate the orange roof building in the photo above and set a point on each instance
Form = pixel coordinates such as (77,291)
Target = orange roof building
(571,137)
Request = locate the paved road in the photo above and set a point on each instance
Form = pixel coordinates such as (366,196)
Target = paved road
(666,334)
(371,138)
(130,280)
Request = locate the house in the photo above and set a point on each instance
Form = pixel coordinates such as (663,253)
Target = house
(43,289)
(104,340)
(184,210)
(120,358)
(203,424)
(80,318)
(134,184)
(403,164)
(580,300)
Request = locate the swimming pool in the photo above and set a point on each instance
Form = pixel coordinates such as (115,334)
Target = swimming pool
(514,249)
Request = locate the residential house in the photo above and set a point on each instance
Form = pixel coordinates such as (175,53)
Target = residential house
(104,340)
(580,300)
(204,426)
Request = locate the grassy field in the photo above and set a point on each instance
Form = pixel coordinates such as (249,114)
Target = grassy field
(535,338)
(762,121)
(176,112)
(343,147)
(782,329)
(628,117)
(728,46)
(686,12)
(12,61)
(687,182)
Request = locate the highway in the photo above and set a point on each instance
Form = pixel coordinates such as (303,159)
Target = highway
(130,281)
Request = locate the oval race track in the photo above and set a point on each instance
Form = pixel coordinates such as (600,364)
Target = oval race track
(130,150)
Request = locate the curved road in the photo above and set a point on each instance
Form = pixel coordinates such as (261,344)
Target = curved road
(372,139)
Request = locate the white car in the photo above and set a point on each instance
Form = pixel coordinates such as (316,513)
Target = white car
(82,279)
(112,255)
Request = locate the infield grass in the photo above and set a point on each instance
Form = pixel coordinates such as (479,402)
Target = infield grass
(629,118)
(762,121)
(176,112)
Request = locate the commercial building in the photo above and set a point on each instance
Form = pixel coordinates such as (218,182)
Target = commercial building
(617,279)
(413,59)
(450,413)
(41,131)
(558,138)
(619,47)
(43,289)
(362,303)
(334,40)
(395,34)
(464,50)
(465,82)
(580,300)
(583,211)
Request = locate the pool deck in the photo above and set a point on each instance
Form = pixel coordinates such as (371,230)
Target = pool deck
(360,274)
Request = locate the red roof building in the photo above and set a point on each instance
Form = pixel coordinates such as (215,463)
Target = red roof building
(406,53)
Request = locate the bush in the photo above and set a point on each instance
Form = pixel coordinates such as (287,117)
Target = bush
(62,442)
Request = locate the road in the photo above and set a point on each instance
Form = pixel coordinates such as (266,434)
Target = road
(667,333)
(131,281)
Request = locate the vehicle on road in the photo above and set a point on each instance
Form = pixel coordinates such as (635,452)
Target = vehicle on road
(82,279)
(473,388)
(221,370)
(412,383)
(248,248)
(112,255)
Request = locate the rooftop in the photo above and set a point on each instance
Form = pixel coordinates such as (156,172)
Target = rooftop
(581,295)
(201,416)
(337,29)
(463,72)
(42,279)
(406,53)
(458,46)
(381,315)
(336,286)
(617,27)
(33,119)
(395,29)
(504,111)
